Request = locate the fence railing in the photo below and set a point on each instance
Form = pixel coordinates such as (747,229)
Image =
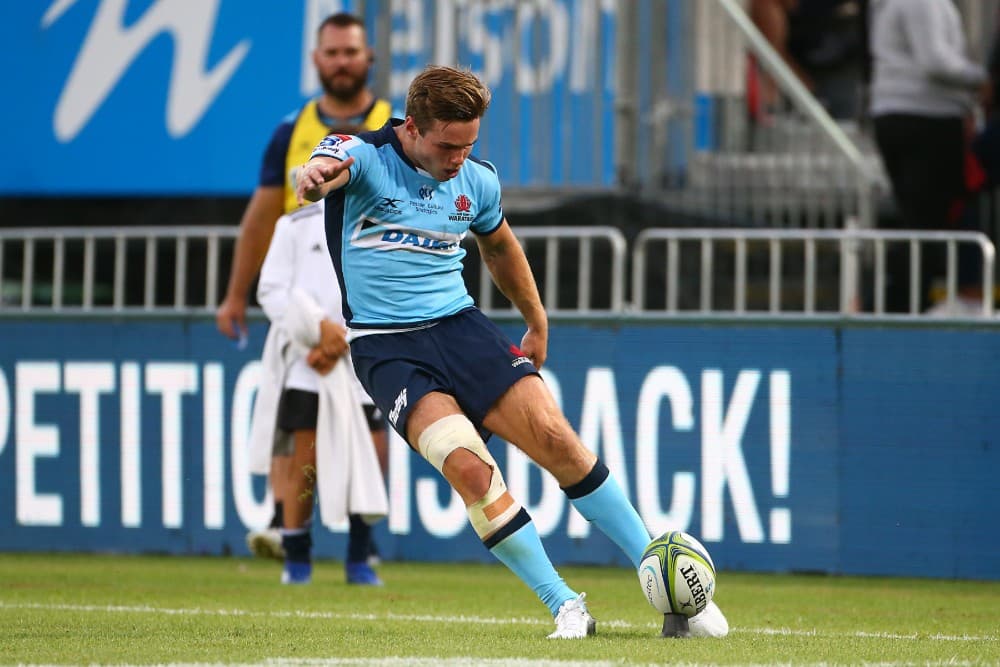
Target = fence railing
(581,271)
(795,271)
(112,269)
(174,269)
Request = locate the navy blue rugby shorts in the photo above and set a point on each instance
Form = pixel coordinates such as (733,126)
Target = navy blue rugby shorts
(464,355)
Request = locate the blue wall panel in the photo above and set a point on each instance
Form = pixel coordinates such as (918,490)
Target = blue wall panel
(920,452)
(869,451)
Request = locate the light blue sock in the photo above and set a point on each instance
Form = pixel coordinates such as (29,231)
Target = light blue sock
(521,550)
(601,501)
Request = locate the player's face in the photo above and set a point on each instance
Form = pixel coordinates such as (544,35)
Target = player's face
(342,60)
(443,148)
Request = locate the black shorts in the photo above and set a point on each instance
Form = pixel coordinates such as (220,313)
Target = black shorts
(298,410)
(465,355)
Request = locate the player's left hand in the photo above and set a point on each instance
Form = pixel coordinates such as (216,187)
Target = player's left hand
(535,345)
(332,339)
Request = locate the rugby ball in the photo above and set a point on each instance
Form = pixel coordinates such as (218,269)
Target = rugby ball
(677,575)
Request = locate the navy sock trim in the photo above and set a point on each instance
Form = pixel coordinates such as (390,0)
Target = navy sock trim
(588,484)
(520,520)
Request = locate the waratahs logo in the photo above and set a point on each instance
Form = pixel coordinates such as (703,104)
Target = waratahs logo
(462,207)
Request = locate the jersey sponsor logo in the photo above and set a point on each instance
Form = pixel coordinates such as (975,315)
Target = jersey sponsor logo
(412,241)
(426,192)
(425,207)
(381,235)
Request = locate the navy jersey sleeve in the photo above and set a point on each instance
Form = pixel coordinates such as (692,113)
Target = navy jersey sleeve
(272,168)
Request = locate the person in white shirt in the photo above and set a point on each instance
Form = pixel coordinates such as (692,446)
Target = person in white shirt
(300,294)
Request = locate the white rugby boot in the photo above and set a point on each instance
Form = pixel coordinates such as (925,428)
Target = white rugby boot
(573,620)
(709,623)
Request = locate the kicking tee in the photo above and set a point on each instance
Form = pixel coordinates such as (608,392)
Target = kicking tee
(395,233)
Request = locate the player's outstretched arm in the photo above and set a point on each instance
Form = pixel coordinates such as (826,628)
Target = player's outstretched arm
(321,175)
(505,259)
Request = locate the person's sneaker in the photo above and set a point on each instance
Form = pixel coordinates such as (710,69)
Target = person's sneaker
(709,623)
(296,573)
(573,621)
(266,543)
(361,574)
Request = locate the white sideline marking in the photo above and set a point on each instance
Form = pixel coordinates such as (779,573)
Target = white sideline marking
(477,662)
(478,620)
(395,661)
(405,661)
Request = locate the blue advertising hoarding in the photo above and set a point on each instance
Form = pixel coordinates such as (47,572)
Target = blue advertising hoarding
(176,98)
(863,451)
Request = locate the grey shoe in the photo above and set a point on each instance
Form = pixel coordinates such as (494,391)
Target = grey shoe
(266,543)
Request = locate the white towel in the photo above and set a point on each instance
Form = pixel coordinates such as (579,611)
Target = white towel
(263,424)
(349,478)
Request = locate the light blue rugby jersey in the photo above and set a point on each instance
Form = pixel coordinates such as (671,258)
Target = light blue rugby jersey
(395,234)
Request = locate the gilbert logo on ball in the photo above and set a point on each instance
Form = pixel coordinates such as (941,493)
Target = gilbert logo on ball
(677,574)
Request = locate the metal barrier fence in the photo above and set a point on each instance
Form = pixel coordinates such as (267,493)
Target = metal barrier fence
(112,269)
(183,269)
(782,271)
(581,271)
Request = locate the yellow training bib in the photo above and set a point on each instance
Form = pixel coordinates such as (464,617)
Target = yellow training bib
(309,130)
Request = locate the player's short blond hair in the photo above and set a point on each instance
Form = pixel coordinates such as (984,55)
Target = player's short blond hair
(446,94)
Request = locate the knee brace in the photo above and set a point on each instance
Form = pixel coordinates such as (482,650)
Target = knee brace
(497,507)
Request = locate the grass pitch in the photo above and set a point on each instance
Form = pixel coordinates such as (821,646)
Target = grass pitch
(99,609)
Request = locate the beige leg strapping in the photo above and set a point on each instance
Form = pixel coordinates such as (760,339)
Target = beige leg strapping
(497,507)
